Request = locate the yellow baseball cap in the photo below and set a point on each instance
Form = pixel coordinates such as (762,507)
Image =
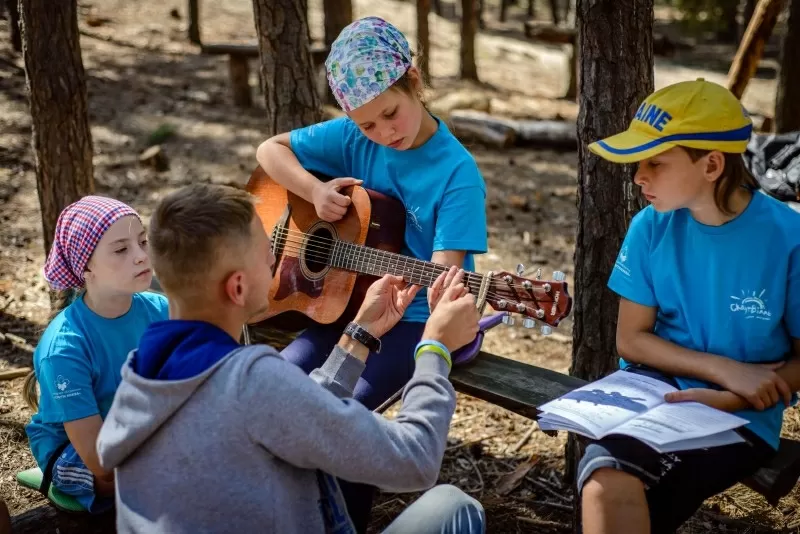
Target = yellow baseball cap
(694,114)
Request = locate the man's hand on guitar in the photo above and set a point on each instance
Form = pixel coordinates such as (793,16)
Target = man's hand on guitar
(454,321)
(453,275)
(330,204)
(384,304)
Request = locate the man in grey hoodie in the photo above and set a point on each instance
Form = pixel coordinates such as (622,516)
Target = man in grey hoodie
(205,435)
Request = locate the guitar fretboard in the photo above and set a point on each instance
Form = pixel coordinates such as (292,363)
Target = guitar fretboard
(368,260)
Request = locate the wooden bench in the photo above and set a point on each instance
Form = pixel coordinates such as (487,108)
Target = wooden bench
(239,68)
(522,388)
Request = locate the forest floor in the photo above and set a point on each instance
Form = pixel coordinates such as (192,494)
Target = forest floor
(147,84)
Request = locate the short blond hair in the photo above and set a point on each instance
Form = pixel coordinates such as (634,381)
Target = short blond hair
(192,229)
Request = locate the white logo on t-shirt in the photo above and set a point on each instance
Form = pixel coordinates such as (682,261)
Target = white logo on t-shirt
(752,305)
(621,259)
(412,216)
(63,391)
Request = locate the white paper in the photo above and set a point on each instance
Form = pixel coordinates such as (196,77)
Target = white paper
(609,402)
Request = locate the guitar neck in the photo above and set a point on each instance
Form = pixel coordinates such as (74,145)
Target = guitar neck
(368,260)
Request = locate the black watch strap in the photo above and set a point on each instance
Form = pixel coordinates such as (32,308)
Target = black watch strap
(355,331)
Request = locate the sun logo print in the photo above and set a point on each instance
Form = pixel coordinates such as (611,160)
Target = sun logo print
(753,305)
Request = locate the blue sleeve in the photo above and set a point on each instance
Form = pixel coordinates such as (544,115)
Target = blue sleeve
(792,313)
(323,147)
(461,217)
(631,276)
(159,305)
(65,376)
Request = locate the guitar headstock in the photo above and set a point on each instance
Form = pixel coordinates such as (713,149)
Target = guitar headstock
(545,300)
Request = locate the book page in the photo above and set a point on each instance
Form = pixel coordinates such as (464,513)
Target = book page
(669,423)
(601,406)
(723,438)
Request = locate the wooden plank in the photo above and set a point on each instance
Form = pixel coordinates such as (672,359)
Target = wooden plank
(513,385)
(319,52)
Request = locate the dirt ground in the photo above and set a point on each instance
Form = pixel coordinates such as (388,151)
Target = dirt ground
(147,82)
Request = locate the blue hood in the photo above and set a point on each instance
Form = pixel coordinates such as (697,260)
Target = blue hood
(177,350)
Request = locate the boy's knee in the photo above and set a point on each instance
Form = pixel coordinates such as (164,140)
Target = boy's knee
(610,485)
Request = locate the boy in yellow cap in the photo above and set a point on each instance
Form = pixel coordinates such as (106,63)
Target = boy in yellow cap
(709,280)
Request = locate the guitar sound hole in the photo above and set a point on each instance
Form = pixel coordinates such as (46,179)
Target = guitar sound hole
(318,250)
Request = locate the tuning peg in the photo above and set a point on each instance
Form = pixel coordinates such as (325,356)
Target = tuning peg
(546,330)
(508,320)
(558,276)
(520,269)
(538,274)
(527,322)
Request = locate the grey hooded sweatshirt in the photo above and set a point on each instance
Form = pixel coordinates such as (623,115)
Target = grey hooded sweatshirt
(251,443)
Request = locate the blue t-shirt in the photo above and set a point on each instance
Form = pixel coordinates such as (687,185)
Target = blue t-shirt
(438,183)
(78,362)
(731,290)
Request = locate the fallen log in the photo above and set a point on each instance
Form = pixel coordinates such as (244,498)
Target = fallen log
(503,133)
(11,374)
(475,126)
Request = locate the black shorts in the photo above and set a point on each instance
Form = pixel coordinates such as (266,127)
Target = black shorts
(676,484)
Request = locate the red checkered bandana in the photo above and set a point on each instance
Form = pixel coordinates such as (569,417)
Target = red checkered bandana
(78,230)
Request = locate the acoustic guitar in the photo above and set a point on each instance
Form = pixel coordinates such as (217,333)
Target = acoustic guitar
(323,269)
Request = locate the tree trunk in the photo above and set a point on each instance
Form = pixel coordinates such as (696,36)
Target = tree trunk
(747,16)
(287,70)
(752,46)
(423,40)
(194,22)
(729,33)
(531,9)
(337,15)
(787,105)
(62,142)
(469,27)
(554,12)
(615,76)
(13,24)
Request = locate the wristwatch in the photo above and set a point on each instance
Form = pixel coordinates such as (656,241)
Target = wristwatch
(355,331)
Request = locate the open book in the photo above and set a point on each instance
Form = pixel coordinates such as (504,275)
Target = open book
(633,405)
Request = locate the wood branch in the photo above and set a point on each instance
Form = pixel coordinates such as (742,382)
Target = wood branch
(46,518)
(752,46)
(11,374)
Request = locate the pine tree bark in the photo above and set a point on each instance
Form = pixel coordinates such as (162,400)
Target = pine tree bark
(615,76)
(287,70)
(787,105)
(62,141)
(423,40)
(469,27)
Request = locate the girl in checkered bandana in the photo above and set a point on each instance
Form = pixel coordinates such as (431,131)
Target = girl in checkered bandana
(98,263)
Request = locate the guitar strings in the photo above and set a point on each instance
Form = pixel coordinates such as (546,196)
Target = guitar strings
(419,268)
(426,267)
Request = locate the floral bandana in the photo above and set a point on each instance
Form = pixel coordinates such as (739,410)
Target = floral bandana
(78,230)
(365,60)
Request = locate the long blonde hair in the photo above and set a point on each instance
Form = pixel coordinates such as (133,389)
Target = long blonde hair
(30,389)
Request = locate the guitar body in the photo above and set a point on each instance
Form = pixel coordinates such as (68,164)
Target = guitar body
(305,289)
